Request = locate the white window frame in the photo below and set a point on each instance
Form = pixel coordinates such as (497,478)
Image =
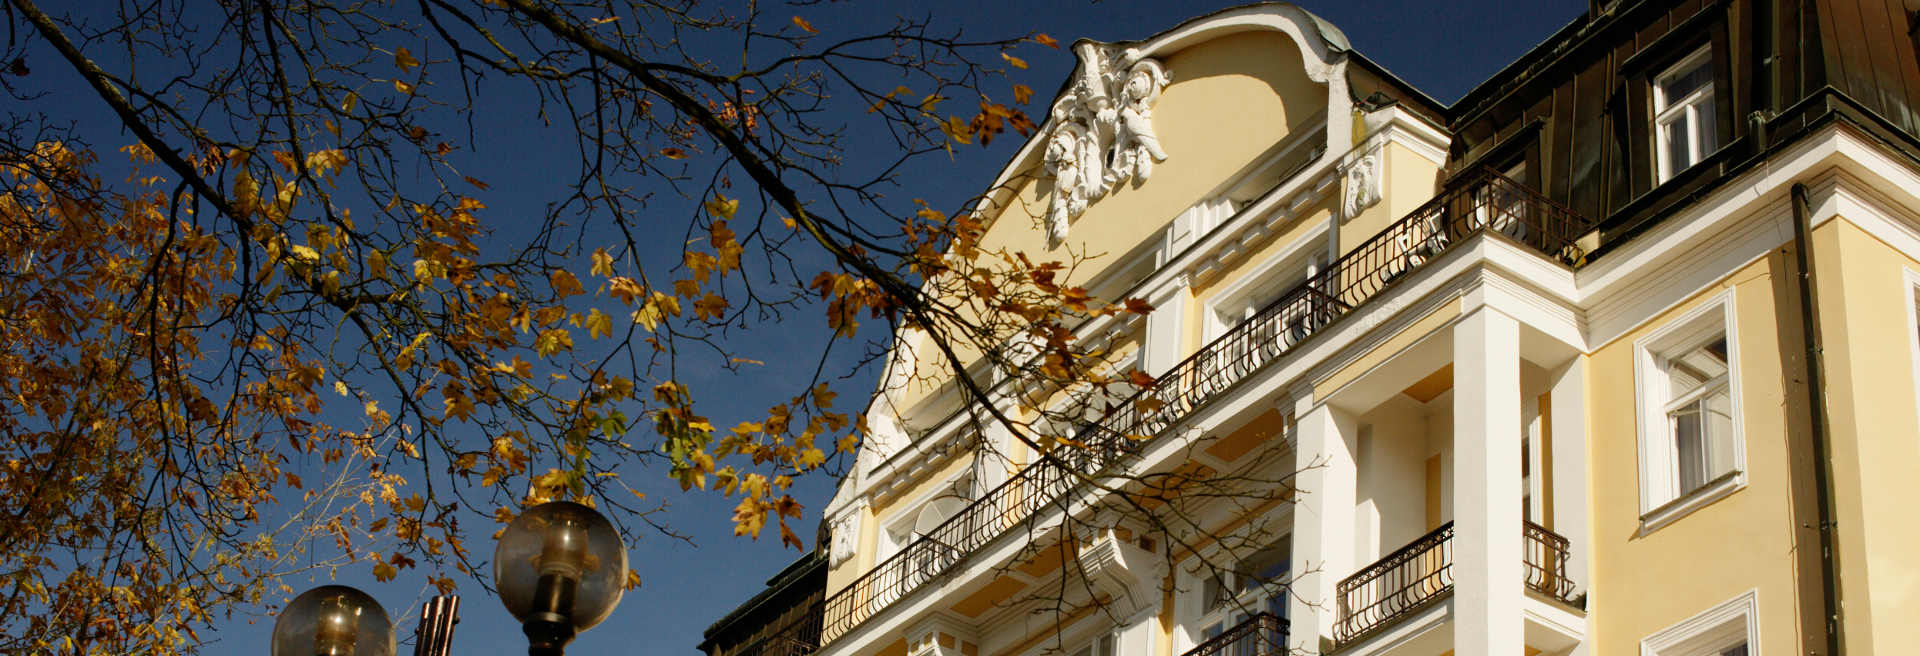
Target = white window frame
(1270,278)
(1668,110)
(1912,288)
(1713,630)
(1660,500)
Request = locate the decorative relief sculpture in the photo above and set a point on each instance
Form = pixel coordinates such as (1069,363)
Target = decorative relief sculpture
(1360,183)
(1102,131)
(846,535)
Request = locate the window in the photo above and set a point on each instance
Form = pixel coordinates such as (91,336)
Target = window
(1724,630)
(1688,388)
(1258,585)
(1683,114)
(1099,646)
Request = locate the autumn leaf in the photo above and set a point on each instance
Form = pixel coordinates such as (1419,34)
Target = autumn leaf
(1022,93)
(402,87)
(673,153)
(602,262)
(1016,62)
(722,206)
(553,340)
(1140,378)
(1139,306)
(598,324)
(564,284)
(804,25)
(1042,39)
(710,307)
(404,59)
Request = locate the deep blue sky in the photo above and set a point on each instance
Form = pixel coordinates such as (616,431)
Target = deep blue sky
(1441,48)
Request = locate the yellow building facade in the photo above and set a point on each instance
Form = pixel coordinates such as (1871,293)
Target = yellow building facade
(1616,355)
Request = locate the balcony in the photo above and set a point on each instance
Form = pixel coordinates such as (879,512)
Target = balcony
(1482,201)
(1261,635)
(1421,573)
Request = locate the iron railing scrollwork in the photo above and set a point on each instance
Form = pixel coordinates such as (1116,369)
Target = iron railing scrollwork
(1264,634)
(1408,579)
(1546,557)
(1397,585)
(1480,201)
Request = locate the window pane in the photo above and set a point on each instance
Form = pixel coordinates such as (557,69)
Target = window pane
(1675,87)
(1703,122)
(1689,447)
(1716,423)
(1740,650)
(1695,367)
(1677,154)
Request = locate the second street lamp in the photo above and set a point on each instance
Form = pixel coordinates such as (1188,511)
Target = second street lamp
(560,568)
(333,620)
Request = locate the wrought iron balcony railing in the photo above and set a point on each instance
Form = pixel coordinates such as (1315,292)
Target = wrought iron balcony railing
(1261,635)
(1546,557)
(1482,201)
(1420,573)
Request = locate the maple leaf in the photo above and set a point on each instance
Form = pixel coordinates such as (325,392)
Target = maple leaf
(804,25)
(404,59)
(1042,39)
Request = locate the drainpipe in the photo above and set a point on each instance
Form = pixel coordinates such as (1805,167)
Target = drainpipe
(1817,414)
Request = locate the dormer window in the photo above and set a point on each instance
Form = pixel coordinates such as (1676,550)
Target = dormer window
(1683,114)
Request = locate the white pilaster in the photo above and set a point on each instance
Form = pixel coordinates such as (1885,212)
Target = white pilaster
(1323,521)
(1166,327)
(1487,550)
(1569,421)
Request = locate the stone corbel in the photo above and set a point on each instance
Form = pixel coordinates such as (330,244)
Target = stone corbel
(1129,576)
(941,635)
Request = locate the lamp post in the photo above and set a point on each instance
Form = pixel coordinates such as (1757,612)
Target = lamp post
(333,620)
(560,568)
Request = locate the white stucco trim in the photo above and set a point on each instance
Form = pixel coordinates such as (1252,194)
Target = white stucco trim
(1912,295)
(1744,608)
(1659,503)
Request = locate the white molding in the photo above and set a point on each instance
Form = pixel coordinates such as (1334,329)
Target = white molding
(1912,295)
(1660,505)
(1744,606)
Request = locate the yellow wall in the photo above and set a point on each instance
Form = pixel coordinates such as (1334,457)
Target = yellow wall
(1738,543)
(1874,433)
(1233,101)
(1407,181)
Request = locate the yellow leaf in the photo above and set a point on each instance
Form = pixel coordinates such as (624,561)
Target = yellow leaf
(598,324)
(1042,39)
(602,262)
(723,207)
(404,59)
(1015,61)
(553,340)
(407,89)
(804,25)
(564,284)
(1022,93)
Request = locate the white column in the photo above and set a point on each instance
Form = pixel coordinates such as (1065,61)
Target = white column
(1322,522)
(1487,554)
(1569,408)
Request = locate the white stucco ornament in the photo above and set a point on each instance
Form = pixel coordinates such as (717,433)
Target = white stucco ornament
(1360,182)
(846,534)
(1101,133)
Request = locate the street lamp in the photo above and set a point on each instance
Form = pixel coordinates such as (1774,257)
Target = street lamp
(560,568)
(333,620)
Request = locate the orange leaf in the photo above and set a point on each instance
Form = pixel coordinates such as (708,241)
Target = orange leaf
(1042,39)
(804,25)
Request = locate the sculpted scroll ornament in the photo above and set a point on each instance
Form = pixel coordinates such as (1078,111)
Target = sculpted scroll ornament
(1102,131)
